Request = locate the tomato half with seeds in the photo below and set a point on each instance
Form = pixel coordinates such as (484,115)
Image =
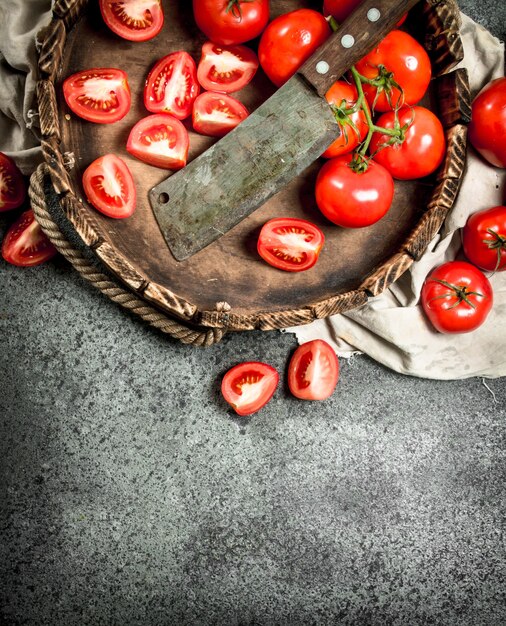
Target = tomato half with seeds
(100,95)
(172,85)
(290,244)
(160,140)
(135,20)
(484,239)
(229,22)
(25,243)
(313,371)
(226,68)
(216,114)
(109,186)
(248,386)
(12,184)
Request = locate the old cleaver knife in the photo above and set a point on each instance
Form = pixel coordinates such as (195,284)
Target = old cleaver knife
(282,137)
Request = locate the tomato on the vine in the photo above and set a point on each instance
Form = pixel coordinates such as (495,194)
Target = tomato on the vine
(12,185)
(160,140)
(216,114)
(229,22)
(484,239)
(109,186)
(135,20)
(456,297)
(487,129)
(248,387)
(313,371)
(25,243)
(226,68)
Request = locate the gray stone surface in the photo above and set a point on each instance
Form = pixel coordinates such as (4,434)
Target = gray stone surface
(131,495)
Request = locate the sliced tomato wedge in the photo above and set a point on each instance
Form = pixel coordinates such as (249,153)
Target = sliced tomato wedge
(109,186)
(248,387)
(172,85)
(226,68)
(160,140)
(290,244)
(216,114)
(135,20)
(12,184)
(313,371)
(100,95)
(25,243)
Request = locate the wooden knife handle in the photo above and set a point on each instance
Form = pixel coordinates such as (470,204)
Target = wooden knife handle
(357,36)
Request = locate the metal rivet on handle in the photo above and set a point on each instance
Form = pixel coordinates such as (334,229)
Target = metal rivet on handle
(322,67)
(347,41)
(373,15)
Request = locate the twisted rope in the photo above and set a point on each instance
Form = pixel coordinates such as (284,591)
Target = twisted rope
(103,282)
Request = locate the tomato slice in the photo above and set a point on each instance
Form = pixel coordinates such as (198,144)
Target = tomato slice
(226,68)
(290,244)
(12,184)
(100,95)
(313,371)
(172,85)
(216,114)
(25,243)
(109,186)
(248,387)
(159,140)
(135,20)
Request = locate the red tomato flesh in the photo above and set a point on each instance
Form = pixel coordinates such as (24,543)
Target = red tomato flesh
(160,140)
(12,184)
(226,68)
(484,239)
(25,243)
(109,186)
(216,114)
(135,20)
(313,371)
(248,387)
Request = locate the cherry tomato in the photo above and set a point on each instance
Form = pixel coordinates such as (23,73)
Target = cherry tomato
(25,243)
(159,140)
(100,95)
(248,387)
(487,130)
(354,126)
(422,150)
(216,114)
(289,40)
(456,297)
(313,371)
(401,55)
(226,68)
(109,186)
(229,22)
(12,184)
(484,239)
(290,244)
(135,20)
(352,199)
(172,85)
(341,9)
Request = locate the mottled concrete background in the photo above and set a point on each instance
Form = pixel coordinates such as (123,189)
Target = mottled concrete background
(132,496)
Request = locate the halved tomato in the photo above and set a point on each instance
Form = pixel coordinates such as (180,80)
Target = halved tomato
(226,68)
(135,20)
(100,95)
(290,244)
(25,243)
(159,140)
(248,387)
(109,186)
(313,371)
(172,85)
(12,185)
(216,114)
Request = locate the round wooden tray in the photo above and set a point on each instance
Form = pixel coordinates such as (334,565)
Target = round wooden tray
(355,264)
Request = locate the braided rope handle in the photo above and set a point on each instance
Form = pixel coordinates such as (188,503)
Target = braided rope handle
(101,281)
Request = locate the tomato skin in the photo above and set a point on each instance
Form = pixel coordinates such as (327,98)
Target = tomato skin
(313,371)
(401,54)
(350,199)
(226,68)
(216,114)
(289,40)
(487,129)
(160,140)
(290,244)
(12,184)
(481,246)
(172,85)
(423,149)
(146,15)
(25,243)
(109,186)
(447,312)
(86,92)
(244,21)
(248,386)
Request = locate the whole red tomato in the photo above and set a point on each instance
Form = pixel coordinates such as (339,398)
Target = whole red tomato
(487,130)
(289,40)
(484,239)
(353,199)
(398,57)
(456,297)
(229,22)
(422,150)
